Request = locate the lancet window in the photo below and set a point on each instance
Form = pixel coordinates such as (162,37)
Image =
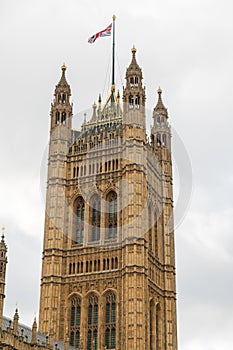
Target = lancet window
(75,321)
(164,139)
(137,101)
(110,321)
(92,336)
(111,215)
(95,218)
(158,139)
(79,220)
(63,98)
(57,117)
(131,101)
(63,118)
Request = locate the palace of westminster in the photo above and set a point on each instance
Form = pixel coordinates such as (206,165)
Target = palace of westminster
(108,278)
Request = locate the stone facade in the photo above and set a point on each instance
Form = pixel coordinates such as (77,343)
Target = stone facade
(108,271)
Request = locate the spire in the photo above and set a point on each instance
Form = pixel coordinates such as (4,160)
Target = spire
(160,108)
(63,81)
(134,73)
(34,331)
(94,106)
(99,105)
(134,65)
(16,321)
(62,87)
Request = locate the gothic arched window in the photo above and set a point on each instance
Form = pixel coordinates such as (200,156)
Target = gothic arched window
(95,218)
(92,336)
(75,321)
(111,219)
(164,139)
(79,220)
(131,101)
(63,118)
(57,117)
(137,101)
(63,98)
(131,81)
(158,140)
(110,321)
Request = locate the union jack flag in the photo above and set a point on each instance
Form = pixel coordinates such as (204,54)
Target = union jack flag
(105,32)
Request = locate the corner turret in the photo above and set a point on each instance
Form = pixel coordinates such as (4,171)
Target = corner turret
(134,96)
(160,132)
(61,110)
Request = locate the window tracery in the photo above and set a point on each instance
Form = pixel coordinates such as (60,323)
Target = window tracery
(111,215)
(110,321)
(92,337)
(79,220)
(75,321)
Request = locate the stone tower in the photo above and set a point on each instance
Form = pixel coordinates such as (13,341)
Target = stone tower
(108,270)
(3,262)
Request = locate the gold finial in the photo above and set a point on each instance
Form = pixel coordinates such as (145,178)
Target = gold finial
(94,105)
(159,90)
(3,229)
(63,67)
(113,17)
(133,50)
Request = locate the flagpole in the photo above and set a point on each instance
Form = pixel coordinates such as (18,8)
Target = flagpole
(113,57)
(113,50)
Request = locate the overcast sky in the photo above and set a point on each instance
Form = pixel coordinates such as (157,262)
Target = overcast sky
(183,46)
